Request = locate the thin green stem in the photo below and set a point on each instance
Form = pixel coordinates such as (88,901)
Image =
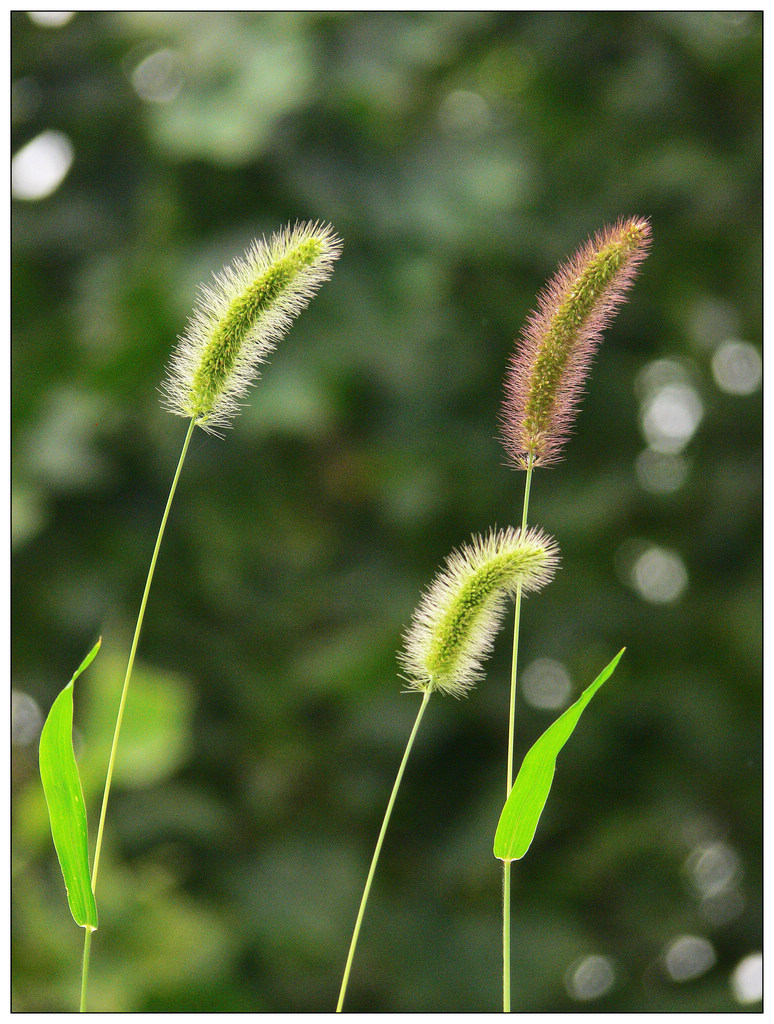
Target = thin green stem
(124,692)
(515,658)
(509,773)
(377,851)
(85,974)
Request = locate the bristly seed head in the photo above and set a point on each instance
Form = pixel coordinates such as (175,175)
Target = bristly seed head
(239,321)
(455,623)
(545,376)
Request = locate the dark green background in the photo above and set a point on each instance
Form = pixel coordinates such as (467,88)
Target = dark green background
(460,156)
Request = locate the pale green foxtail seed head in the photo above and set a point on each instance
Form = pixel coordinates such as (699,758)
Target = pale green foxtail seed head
(455,623)
(240,319)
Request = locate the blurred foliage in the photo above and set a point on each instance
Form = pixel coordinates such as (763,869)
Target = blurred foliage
(460,156)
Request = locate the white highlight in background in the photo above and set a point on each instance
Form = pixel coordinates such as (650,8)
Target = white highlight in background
(659,575)
(747,979)
(158,78)
(546,684)
(737,367)
(51,19)
(590,978)
(40,167)
(688,957)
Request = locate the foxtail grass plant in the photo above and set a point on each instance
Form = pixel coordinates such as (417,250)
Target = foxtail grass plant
(452,632)
(543,386)
(237,322)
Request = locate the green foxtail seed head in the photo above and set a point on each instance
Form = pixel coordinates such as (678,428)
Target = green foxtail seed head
(455,623)
(239,320)
(545,377)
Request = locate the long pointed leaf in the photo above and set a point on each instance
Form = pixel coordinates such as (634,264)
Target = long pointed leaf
(525,803)
(64,796)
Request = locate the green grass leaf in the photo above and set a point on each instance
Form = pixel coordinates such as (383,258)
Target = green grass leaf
(64,796)
(525,803)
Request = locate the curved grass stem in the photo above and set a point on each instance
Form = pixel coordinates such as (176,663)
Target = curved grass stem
(509,773)
(377,851)
(122,703)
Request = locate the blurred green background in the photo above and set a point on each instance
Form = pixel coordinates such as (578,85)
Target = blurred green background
(460,156)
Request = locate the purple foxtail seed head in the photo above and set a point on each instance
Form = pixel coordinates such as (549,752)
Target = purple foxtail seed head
(546,373)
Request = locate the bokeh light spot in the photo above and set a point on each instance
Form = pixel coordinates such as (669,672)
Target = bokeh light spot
(670,417)
(464,112)
(661,472)
(713,868)
(546,684)
(26,719)
(737,367)
(723,907)
(710,321)
(688,957)
(670,406)
(590,978)
(656,374)
(51,19)
(40,167)
(28,514)
(659,575)
(747,979)
(158,78)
